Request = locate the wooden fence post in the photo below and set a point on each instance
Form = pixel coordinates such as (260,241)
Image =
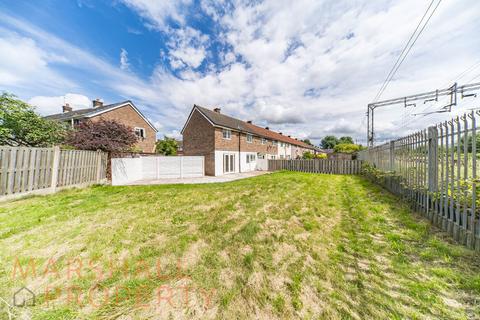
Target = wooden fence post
(99,165)
(55,166)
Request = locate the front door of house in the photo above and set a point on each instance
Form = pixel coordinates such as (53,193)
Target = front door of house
(228,163)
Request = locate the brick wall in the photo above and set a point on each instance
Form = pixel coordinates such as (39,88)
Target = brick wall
(232,144)
(199,140)
(129,117)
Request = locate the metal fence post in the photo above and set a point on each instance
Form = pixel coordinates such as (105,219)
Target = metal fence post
(432,159)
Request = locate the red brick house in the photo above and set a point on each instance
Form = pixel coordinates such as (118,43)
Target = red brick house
(123,112)
(231,145)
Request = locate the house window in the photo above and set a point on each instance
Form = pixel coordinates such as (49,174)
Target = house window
(281,156)
(140,132)
(249,138)
(274,142)
(264,141)
(250,158)
(260,156)
(227,134)
(281,144)
(274,157)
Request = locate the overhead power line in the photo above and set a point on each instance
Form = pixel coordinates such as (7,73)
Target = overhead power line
(408,47)
(454,92)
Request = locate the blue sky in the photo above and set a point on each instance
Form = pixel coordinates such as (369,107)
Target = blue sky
(307,68)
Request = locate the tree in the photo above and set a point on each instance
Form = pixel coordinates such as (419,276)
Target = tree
(347,148)
(329,142)
(307,141)
(21,126)
(346,139)
(321,156)
(167,146)
(105,135)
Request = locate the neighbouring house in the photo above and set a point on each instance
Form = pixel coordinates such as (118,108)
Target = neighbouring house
(123,112)
(231,145)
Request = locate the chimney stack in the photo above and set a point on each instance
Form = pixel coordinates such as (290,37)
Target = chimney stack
(249,121)
(97,103)
(217,110)
(267,128)
(289,136)
(66,108)
(281,133)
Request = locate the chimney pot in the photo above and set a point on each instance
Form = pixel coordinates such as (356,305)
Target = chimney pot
(249,121)
(281,133)
(217,110)
(97,103)
(267,128)
(289,136)
(66,108)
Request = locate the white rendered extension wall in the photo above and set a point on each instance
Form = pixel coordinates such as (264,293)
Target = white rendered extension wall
(244,166)
(129,170)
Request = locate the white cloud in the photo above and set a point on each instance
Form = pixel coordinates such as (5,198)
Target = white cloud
(51,105)
(158,12)
(308,76)
(124,65)
(22,60)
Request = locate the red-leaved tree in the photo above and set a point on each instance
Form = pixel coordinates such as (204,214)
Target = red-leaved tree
(105,135)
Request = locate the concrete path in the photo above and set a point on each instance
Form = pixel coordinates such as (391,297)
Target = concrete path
(205,179)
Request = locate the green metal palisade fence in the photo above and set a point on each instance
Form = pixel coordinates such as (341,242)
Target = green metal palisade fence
(436,171)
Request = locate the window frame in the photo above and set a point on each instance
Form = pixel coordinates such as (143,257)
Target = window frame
(143,132)
(227,134)
(249,138)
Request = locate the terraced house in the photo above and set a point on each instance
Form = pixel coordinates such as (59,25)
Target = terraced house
(230,145)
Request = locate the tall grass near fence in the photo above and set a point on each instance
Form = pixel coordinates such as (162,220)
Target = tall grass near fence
(26,171)
(436,170)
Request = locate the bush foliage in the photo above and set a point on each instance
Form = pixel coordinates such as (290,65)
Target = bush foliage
(105,135)
(347,148)
(20,125)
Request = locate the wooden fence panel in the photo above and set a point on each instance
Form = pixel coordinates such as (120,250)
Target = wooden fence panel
(41,170)
(317,166)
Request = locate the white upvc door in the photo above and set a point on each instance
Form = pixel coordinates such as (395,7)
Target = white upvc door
(228,162)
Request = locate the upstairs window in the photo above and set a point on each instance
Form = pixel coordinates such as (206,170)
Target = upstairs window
(140,132)
(227,134)
(264,141)
(281,144)
(274,142)
(249,138)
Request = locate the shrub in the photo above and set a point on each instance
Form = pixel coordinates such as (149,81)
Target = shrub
(105,135)
(347,148)
(308,155)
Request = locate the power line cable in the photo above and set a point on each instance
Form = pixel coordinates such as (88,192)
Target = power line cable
(407,49)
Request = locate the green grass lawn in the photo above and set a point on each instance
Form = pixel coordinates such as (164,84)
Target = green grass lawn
(284,245)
